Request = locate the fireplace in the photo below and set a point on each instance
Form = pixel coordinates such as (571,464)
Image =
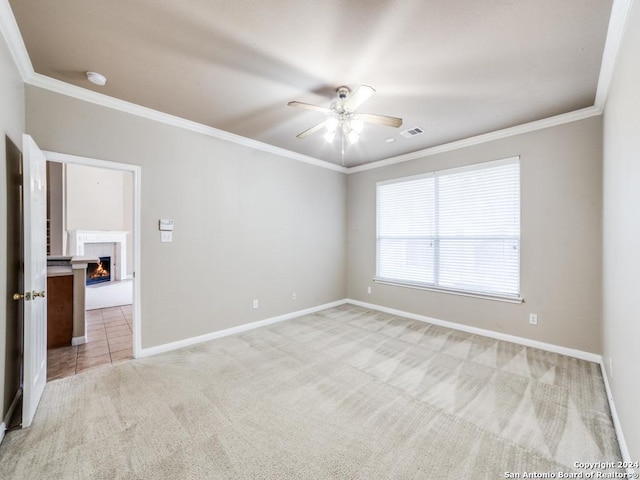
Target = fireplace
(99,272)
(99,243)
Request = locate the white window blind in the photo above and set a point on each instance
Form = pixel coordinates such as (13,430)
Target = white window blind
(455,229)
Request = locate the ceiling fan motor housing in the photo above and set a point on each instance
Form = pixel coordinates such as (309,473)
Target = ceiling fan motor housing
(343,92)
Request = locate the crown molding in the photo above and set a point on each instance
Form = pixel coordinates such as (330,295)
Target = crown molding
(484,138)
(11,33)
(617,22)
(90,96)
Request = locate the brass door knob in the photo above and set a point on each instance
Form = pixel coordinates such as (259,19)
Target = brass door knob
(26,296)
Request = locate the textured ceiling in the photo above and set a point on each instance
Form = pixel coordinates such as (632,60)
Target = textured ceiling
(455,68)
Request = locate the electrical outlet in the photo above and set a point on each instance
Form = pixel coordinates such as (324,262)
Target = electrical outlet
(256,303)
(369,290)
(293,296)
(533,319)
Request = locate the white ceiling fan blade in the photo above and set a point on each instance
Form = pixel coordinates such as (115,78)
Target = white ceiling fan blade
(379,119)
(309,106)
(357,98)
(312,130)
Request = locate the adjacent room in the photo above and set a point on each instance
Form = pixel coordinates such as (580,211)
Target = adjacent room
(279,239)
(90,212)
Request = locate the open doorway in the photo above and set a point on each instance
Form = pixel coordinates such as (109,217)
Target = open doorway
(93,212)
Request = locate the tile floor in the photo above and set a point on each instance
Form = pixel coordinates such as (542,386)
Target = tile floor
(110,340)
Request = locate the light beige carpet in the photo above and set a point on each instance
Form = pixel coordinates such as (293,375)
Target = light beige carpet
(344,393)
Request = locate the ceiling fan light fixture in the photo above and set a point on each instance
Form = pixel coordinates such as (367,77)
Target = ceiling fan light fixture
(342,114)
(329,136)
(331,124)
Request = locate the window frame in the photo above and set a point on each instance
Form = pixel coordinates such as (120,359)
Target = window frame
(515,298)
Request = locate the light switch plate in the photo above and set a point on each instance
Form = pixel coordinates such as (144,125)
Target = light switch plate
(166,237)
(165,224)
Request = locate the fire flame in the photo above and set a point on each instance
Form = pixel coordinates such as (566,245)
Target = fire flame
(99,271)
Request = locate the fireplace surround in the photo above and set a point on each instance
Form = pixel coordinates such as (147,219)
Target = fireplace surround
(102,243)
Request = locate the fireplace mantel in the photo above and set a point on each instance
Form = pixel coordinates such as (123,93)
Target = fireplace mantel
(79,238)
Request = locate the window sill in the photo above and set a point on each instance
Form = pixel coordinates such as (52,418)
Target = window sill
(417,286)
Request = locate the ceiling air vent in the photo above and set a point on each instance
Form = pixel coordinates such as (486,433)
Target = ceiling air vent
(412,132)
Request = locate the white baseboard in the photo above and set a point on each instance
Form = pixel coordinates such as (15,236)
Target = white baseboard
(549,347)
(624,450)
(78,340)
(7,417)
(167,347)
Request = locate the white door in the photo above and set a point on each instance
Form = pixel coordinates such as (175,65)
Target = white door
(35,277)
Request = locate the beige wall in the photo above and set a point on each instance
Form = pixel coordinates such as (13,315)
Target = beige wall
(621,262)
(100,199)
(560,228)
(94,198)
(248,224)
(12,125)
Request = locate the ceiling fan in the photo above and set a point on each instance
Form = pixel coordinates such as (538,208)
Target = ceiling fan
(342,114)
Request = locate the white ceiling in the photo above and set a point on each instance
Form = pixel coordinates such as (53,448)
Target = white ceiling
(455,68)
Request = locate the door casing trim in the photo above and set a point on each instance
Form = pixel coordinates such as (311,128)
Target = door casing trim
(136,171)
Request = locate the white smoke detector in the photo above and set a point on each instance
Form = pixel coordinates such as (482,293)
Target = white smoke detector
(96,78)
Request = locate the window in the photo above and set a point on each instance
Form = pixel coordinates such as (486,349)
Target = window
(455,230)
